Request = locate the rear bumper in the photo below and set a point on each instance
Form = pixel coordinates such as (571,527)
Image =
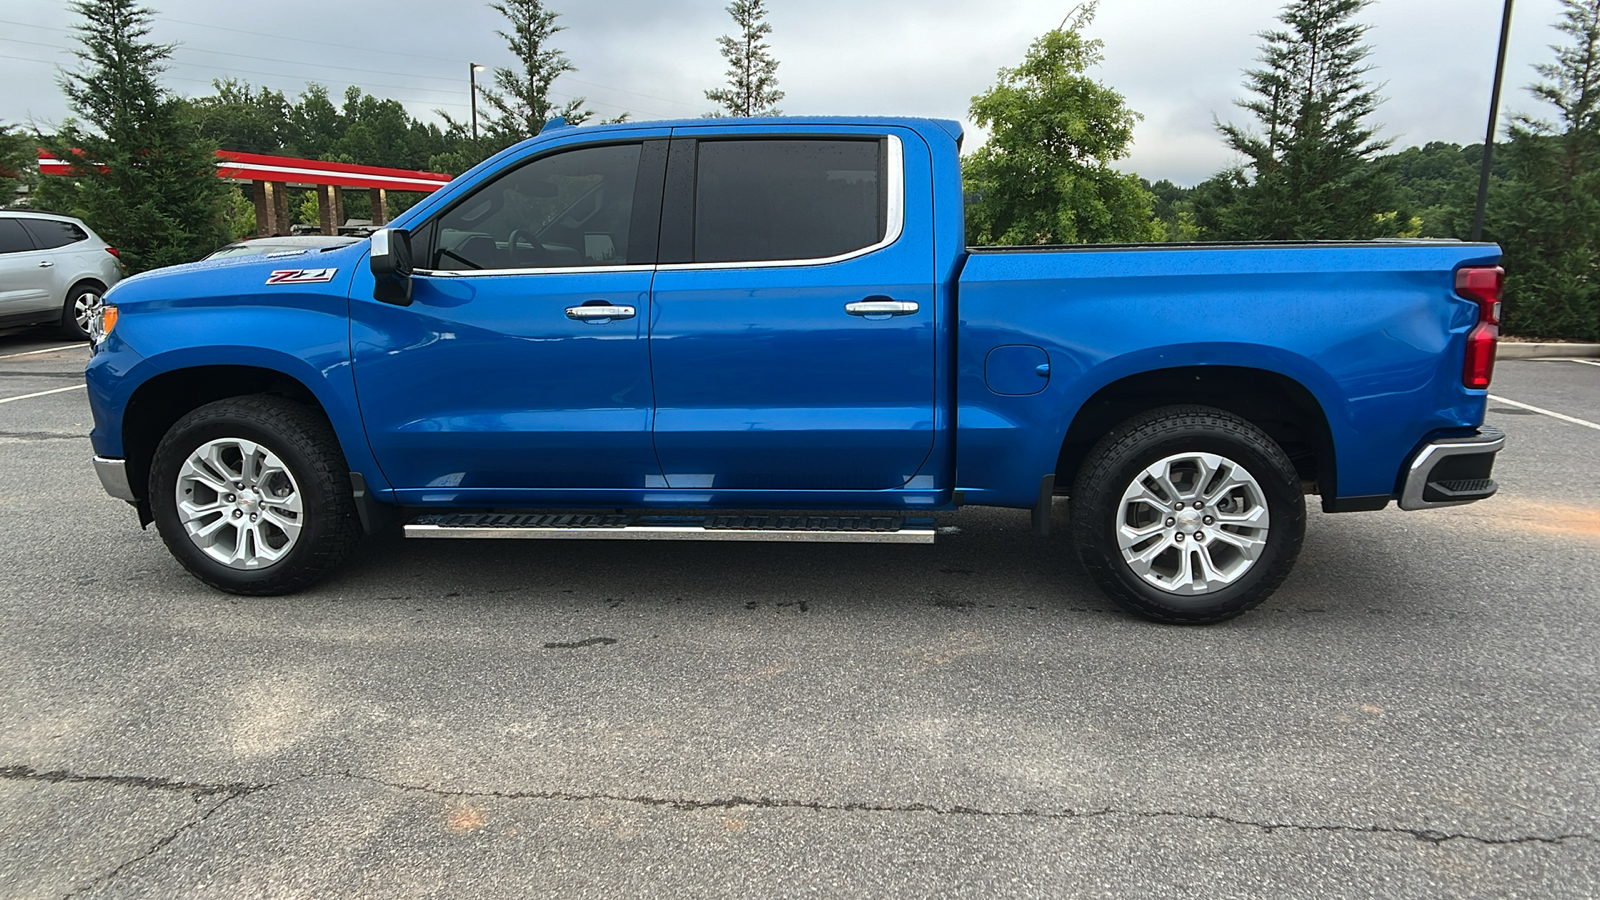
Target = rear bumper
(1453,471)
(114,478)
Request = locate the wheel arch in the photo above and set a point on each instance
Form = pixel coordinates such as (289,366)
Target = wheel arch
(1279,405)
(163,399)
(82,280)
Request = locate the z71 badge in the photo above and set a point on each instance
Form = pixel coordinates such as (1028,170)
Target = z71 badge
(301,276)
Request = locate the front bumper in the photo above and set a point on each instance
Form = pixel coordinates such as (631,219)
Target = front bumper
(1453,471)
(114,478)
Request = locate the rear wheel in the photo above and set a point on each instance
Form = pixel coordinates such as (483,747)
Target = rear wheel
(1188,515)
(82,307)
(252,495)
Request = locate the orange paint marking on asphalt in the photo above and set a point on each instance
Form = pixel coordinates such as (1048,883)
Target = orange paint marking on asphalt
(1540,516)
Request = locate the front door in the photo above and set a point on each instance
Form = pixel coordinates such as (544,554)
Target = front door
(25,273)
(793,337)
(522,362)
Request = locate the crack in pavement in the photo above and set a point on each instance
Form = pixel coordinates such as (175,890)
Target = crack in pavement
(61,776)
(41,436)
(735,801)
(236,790)
(157,847)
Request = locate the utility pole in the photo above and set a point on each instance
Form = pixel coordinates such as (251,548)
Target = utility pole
(1494,119)
(472,78)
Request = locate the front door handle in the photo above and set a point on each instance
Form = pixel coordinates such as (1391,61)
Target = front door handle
(881,307)
(45,264)
(588,313)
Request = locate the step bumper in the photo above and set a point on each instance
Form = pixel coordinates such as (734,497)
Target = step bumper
(1453,471)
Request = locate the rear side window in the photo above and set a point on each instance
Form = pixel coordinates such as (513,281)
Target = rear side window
(773,200)
(52,233)
(12,238)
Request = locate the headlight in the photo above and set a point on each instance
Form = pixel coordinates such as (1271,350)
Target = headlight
(101,324)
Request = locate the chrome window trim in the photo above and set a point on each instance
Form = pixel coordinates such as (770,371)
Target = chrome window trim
(549,270)
(894,217)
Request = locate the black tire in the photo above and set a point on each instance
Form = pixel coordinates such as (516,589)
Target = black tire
(70,328)
(304,442)
(1111,468)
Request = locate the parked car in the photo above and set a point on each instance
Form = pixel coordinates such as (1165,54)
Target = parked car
(53,269)
(727,316)
(282,244)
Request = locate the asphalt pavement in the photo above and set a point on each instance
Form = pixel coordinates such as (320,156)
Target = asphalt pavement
(1415,714)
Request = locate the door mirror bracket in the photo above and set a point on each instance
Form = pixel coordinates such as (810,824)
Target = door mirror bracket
(391,266)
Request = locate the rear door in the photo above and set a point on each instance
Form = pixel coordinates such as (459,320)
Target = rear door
(792,344)
(521,363)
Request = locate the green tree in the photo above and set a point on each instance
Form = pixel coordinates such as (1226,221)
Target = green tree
(1046,176)
(1438,183)
(1548,216)
(238,117)
(519,104)
(145,180)
(752,71)
(1312,166)
(18,162)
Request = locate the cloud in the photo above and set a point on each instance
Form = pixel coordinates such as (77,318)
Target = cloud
(1177,61)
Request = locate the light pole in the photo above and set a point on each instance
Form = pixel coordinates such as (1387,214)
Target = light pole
(1494,114)
(472,78)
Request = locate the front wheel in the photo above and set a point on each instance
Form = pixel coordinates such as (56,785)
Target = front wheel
(252,495)
(1188,515)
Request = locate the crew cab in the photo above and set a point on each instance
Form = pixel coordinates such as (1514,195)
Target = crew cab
(772,329)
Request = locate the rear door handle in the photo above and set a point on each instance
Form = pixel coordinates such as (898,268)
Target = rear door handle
(881,307)
(45,264)
(590,313)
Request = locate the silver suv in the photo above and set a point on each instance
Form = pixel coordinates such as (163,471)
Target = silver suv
(53,269)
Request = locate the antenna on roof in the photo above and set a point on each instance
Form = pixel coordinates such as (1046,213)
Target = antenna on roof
(557,122)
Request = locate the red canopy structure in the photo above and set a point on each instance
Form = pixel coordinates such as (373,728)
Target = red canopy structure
(271,176)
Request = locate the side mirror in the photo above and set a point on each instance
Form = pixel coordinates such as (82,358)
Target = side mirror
(391,266)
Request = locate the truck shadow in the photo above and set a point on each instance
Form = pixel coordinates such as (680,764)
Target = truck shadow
(982,559)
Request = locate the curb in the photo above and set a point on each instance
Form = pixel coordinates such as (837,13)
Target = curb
(1546,351)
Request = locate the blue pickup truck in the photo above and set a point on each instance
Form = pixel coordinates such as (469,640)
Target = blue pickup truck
(772,329)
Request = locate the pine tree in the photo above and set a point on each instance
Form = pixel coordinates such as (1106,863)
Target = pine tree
(1046,175)
(519,104)
(1312,167)
(752,71)
(146,181)
(1548,216)
(17,166)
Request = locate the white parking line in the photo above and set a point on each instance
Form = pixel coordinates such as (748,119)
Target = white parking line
(1587,362)
(1528,407)
(45,350)
(76,387)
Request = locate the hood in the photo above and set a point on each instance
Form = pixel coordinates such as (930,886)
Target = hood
(242,276)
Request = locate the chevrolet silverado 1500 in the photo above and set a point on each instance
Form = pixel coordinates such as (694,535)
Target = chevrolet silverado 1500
(774,330)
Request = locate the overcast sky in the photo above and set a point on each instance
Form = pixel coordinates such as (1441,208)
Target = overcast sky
(1177,61)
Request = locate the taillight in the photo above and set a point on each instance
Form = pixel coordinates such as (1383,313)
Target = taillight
(1483,285)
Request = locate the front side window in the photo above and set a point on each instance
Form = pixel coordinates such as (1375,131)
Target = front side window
(566,210)
(787,199)
(52,233)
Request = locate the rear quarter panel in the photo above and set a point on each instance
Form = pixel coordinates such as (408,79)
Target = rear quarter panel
(1375,332)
